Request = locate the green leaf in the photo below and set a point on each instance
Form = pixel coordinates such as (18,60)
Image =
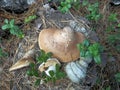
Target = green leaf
(69,1)
(37,82)
(30,18)
(48,78)
(91,49)
(42,52)
(95,52)
(86,43)
(1,52)
(82,53)
(65,9)
(112,39)
(6,21)
(112,17)
(51,73)
(88,54)
(85,2)
(43,74)
(117,77)
(57,68)
(108,88)
(96,4)
(11,27)
(69,6)
(90,7)
(12,31)
(60,75)
(118,48)
(98,81)
(97,59)
(94,49)
(49,54)
(21,35)
(119,25)
(29,73)
(43,56)
(76,5)
(94,11)
(16,27)
(12,23)
(54,80)
(35,73)
(32,65)
(6,26)
(62,3)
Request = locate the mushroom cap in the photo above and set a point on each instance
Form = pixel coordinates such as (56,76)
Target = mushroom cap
(61,42)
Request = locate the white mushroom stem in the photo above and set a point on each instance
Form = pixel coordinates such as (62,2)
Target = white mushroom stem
(50,65)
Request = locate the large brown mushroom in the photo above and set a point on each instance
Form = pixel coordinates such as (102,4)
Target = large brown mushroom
(61,42)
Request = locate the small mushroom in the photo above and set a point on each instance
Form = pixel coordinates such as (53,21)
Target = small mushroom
(24,61)
(61,42)
(21,63)
(50,65)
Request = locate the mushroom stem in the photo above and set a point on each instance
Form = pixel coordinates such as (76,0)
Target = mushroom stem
(50,65)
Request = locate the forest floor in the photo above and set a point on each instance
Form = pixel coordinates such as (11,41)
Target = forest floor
(99,77)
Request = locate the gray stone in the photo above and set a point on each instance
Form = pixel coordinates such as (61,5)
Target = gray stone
(16,5)
(115,2)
